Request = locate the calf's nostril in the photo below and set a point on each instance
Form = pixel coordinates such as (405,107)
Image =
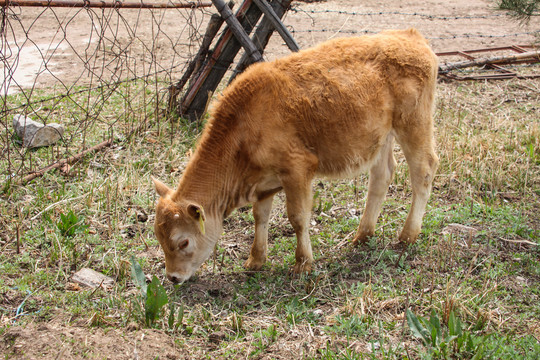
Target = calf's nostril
(173,278)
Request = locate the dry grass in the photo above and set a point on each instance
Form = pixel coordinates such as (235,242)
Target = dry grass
(353,305)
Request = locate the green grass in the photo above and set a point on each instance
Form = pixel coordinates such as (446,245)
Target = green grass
(352,306)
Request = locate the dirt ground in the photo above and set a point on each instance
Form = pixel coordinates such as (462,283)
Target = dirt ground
(57,341)
(59,46)
(452,25)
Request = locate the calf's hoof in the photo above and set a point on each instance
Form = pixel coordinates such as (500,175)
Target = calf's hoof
(254,264)
(362,237)
(303,267)
(407,238)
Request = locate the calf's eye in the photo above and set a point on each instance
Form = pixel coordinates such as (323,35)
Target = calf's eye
(183,244)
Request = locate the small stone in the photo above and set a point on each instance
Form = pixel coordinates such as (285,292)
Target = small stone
(73,286)
(217,337)
(141,215)
(458,229)
(132,326)
(13,333)
(374,346)
(91,278)
(35,134)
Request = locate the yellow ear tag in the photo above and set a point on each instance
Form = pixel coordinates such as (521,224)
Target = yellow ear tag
(201,222)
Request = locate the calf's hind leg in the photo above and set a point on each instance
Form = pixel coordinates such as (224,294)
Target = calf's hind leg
(296,182)
(423,162)
(380,176)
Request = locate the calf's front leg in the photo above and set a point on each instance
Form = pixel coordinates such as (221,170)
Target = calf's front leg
(259,248)
(299,212)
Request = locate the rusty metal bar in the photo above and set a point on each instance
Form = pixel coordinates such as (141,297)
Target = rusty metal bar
(524,55)
(490,77)
(104,4)
(528,56)
(516,48)
(465,55)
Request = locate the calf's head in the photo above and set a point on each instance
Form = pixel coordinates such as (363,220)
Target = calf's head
(180,229)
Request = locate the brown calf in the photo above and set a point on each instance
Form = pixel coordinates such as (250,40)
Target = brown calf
(331,111)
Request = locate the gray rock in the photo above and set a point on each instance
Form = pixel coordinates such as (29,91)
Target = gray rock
(91,278)
(458,229)
(35,134)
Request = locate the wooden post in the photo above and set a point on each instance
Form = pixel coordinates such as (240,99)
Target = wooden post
(278,25)
(237,30)
(226,48)
(194,66)
(263,34)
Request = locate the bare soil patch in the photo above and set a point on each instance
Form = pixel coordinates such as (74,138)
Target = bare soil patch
(55,340)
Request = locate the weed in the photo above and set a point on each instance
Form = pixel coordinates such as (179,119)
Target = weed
(348,326)
(153,295)
(156,298)
(71,224)
(264,338)
(458,342)
(237,323)
(173,323)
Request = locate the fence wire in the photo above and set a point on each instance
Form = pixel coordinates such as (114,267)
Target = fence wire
(101,73)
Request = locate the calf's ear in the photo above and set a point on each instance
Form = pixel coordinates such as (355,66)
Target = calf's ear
(161,188)
(197,213)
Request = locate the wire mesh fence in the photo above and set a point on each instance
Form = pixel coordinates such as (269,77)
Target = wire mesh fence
(443,25)
(100,73)
(104,73)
